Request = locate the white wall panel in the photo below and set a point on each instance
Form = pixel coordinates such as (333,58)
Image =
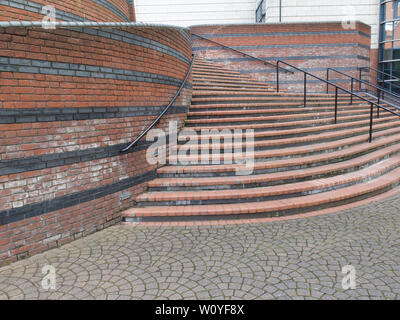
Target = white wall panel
(366,11)
(191,12)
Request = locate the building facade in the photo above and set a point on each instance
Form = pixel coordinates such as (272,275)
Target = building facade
(185,13)
(389,49)
(383,16)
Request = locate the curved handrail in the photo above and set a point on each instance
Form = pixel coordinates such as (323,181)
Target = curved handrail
(132,144)
(372,103)
(364,82)
(243,53)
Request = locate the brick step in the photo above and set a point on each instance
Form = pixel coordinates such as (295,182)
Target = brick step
(230,94)
(270,144)
(210,114)
(277,118)
(210,65)
(227,85)
(298,132)
(273,162)
(197,89)
(198,78)
(377,163)
(251,106)
(198,73)
(269,97)
(208,70)
(237,81)
(277,126)
(260,209)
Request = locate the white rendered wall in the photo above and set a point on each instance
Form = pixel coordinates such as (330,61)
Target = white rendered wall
(191,12)
(366,11)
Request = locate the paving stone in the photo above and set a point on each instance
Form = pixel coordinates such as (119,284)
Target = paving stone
(284,261)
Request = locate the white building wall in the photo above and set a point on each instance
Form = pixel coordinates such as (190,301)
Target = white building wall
(366,11)
(192,12)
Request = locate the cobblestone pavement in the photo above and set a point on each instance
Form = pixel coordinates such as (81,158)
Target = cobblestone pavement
(297,259)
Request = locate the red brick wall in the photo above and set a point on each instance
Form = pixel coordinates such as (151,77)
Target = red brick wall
(311,46)
(70,99)
(77,10)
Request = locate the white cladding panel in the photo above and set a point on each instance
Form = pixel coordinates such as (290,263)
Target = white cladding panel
(366,11)
(192,12)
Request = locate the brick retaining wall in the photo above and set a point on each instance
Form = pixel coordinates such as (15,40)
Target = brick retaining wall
(311,46)
(70,99)
(78,10)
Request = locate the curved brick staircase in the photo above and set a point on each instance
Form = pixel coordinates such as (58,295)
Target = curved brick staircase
(303,161)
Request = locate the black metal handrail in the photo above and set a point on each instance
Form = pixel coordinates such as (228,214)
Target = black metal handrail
(243,53)
(372,103)
(132,144)
(380,91)
(380,72)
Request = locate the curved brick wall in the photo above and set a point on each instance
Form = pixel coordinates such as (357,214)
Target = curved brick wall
(71,10)
(311,46)
(70,99)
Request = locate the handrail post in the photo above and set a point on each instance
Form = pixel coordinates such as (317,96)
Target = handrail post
(352,88)
(336,104)
(277,76)
(371,117)
(305,89)
(359,83)
(379,101)
(327,79)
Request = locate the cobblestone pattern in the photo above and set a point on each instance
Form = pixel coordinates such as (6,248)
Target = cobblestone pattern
(298,259)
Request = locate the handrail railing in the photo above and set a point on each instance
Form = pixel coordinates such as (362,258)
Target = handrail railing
(380,91)
(393,78)
(372,103)
(132,144)
(243,53)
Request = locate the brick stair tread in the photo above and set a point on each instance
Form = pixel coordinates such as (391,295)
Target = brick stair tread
(273,117)
(297,140)
(257,111)
(283,189)
(268,96)
(232,81)
(291,162)
(320,128)
(228,85)
(279,125)
(283,103)
(309,201)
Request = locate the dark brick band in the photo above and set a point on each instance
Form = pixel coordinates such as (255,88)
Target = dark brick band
(127,37)
(9,64)
(282,34)
(36,209)
(71,114)
(53,160)
(112,8)
(350,56)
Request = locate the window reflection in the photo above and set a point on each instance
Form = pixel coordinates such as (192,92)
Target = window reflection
(389,49)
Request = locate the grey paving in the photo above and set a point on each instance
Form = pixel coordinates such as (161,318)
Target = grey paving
(298,259)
